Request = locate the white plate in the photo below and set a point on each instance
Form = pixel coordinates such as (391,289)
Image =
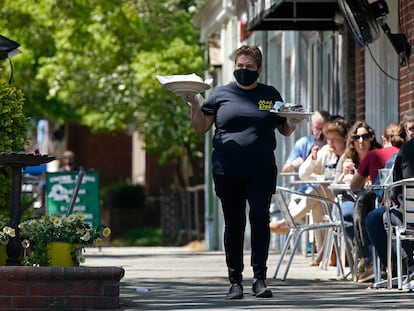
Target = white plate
(186,87)
(292,114)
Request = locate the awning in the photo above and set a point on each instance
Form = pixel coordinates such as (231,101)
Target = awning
(293,14)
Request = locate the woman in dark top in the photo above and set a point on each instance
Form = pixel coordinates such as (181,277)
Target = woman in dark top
(243,162)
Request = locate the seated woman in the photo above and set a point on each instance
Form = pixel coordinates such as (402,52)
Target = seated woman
(403,167)
(335,134)
(367,172)
(361,139)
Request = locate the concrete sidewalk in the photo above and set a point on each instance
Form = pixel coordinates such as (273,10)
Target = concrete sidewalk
(163,278)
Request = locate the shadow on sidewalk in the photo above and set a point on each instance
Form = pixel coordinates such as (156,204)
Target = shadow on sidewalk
(294,294)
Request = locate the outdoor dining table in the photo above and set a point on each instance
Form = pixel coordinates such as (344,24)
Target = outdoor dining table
(314,183)
(342,187)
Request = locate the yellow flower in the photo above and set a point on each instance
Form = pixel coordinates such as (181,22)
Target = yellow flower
(86,236)
(25,243)
(57,222)
(98,241)
(106,232)
(9,231)
(81,259)
(81,216)
(71,218)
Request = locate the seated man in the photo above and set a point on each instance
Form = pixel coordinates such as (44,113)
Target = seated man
(403,168)
(303,145)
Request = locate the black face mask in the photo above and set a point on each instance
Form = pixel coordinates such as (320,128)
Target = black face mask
(246,77)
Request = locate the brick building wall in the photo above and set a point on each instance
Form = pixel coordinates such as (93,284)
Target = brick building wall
(359,83)
(108,153)
(111,154)
(406,74)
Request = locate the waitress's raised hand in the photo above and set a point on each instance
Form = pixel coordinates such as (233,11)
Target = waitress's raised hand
(294,121)
(190,98)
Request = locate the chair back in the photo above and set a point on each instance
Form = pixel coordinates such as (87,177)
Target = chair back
(399,229)
(284,195)
(408,199)
(332,221)
(283,198)
(405,189)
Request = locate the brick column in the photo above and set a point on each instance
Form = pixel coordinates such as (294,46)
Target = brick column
(407,76)
(360,83)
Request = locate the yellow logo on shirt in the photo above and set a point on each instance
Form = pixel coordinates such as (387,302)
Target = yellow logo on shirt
(265,104)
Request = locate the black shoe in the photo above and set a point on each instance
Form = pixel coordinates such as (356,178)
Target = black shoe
(260,290)
(235,291)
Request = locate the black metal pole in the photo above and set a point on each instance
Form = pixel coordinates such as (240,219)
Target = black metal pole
(75,192)
(13,247)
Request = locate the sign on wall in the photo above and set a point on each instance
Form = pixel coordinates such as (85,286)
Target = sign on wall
(60,187)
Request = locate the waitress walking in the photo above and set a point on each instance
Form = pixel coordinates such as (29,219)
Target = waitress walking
(243,162)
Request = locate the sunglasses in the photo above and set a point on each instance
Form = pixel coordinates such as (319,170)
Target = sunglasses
(363,136)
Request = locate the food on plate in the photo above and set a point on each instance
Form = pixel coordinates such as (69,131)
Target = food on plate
(287,107)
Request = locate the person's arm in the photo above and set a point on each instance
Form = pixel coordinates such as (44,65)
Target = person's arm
(344,168)
(361,175)
(358,182)
(288,127)
(308,167)
(201,122)
(397,175)
(291,166)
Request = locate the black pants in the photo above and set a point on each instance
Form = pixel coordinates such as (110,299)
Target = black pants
(233,193)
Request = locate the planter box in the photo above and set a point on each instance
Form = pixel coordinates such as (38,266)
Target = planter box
(59,288)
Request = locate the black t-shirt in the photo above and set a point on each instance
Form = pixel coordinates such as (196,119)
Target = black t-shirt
(244,137)
(403,165)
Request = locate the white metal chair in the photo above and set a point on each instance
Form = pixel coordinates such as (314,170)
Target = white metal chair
(400,231)
(333,221)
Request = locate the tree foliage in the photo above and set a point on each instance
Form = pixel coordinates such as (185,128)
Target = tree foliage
(94,62)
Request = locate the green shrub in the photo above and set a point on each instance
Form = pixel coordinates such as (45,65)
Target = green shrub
(13,129)
(125,195)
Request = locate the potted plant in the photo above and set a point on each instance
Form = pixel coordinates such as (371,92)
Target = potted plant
(41,236)
(6,232)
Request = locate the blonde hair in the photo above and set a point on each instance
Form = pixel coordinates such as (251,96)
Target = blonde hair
(340,126)
(395,134)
